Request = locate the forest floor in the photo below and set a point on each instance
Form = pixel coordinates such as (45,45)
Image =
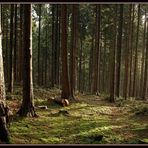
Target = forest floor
(91,121)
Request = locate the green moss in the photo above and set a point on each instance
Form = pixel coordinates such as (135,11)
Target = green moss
(87,120)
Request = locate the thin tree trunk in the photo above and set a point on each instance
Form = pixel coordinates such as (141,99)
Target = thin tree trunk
(143,57)
(145,85)
(39,45)
(46,54)
(53,65)
(119,48)
(21,45)
(96,88)
(136,56)
(11,70)
(127,56)
(112,68)
(15,44)
(131,54)
(80,65)
(91,62)
(58,45)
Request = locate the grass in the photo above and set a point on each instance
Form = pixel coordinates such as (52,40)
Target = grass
(88,120)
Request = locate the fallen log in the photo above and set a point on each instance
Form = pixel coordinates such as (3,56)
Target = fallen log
(58,100)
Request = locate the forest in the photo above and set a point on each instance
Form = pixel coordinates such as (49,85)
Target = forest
(74,73)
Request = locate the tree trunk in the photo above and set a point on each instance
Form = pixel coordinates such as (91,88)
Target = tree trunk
(39,45)
(113,52)
(11,71)
(15,44)
(119,48)
(143,57)
(21,45)
(65,76)
(74,43)
(4,134)
(145,85)
(96,88)
(58,45)
(136,56)
(127,56)
(46,54)
(91,62)
(131,54)
(27,103)
(80,65)
(53,65)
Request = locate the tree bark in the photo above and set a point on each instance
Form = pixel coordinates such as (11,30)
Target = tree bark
(143,59)
(11,69)
(127,55)
(136,57)
(74,47)
(65,76)
(15,44)
(39,45)
(131,53)
(119,48)
(96,88)
(21,45)
(145,85)
(27,103)
(113,53)
(4,133)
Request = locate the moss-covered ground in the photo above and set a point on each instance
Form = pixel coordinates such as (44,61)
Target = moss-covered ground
(93,120)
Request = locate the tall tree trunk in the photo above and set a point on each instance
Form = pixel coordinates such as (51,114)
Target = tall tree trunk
(104,65)
(15,44)
(119,48)
(80,65)
(96,88)
(74,43)
(113,52)
(143,57)
(46,54)
(53,65)
(7,56)
(91,62)
(127,55)
(145,85)
(58,45)
(131,53)
(11,70)
(136,56)
(65,76)
(39,44)
(21,45)
(27,103)
(4,134)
